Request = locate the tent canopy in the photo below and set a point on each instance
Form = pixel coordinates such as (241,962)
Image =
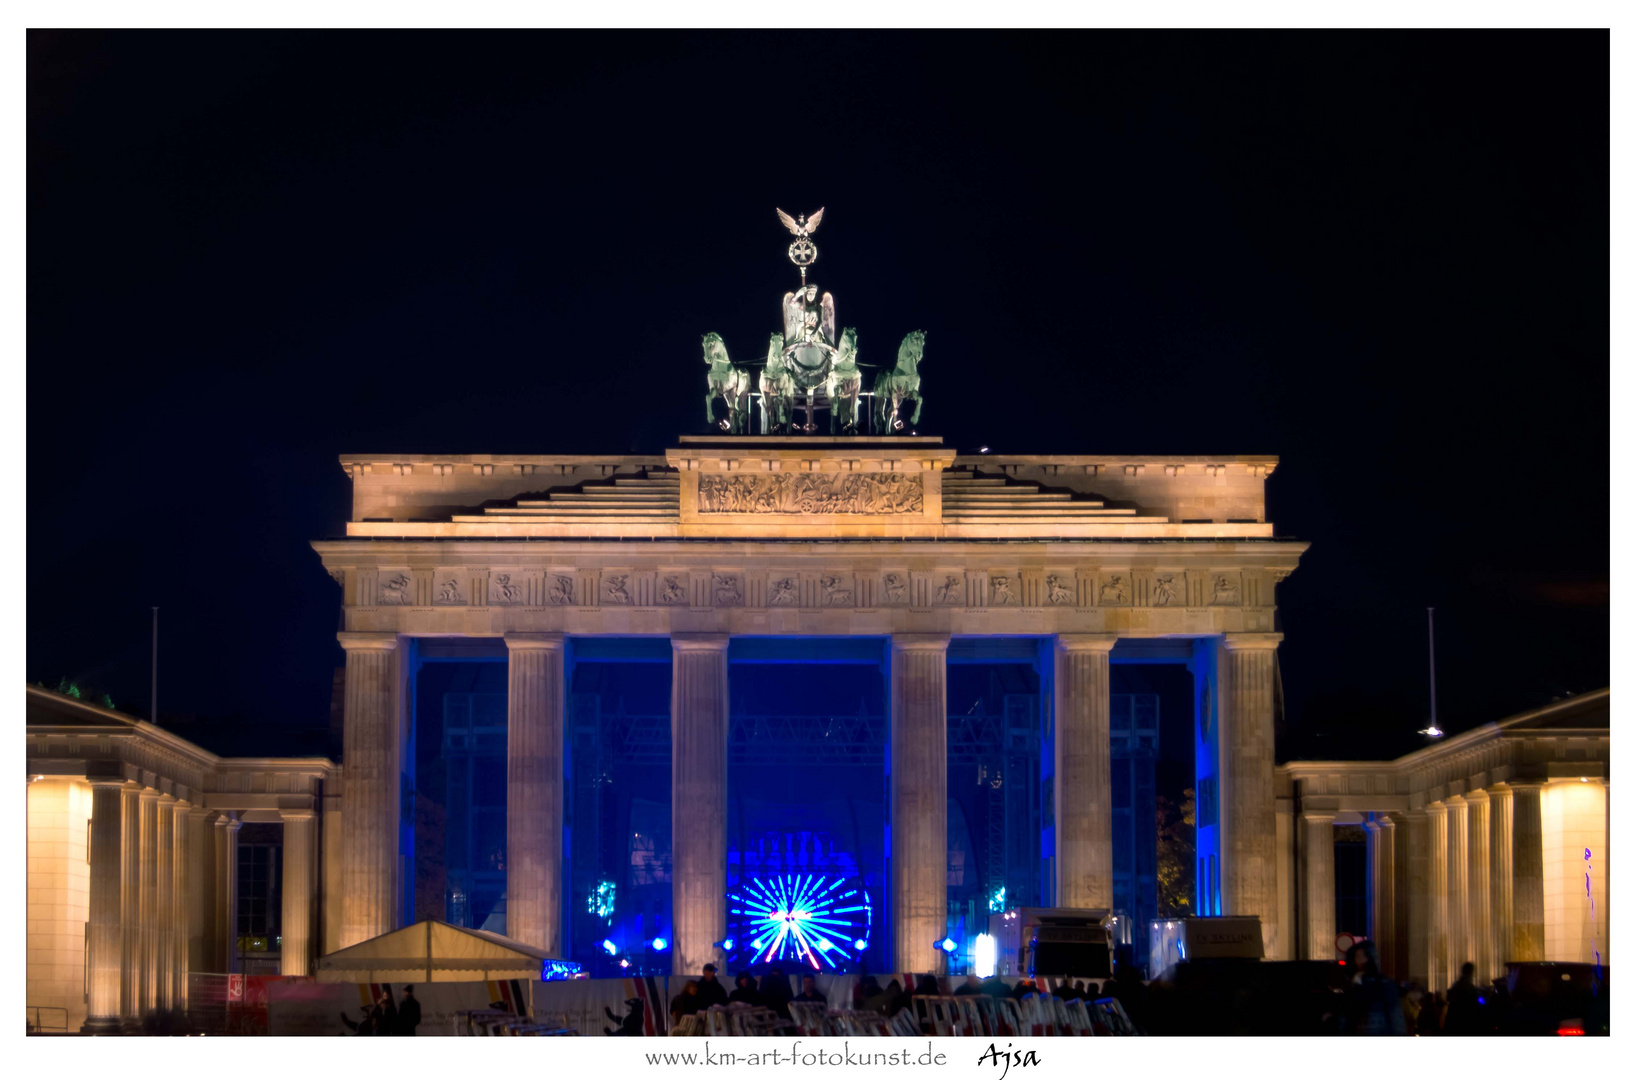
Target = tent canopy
(433,951)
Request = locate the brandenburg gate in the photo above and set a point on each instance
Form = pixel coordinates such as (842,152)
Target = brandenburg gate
(894,537)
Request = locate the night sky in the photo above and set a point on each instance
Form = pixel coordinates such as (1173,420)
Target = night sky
(1383,257)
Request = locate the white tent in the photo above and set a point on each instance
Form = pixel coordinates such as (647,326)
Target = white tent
(433,951)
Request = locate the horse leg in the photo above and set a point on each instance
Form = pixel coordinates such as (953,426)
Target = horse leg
(914,420)
(709,407)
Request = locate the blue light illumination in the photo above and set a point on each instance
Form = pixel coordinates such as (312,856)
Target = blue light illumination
(819,920)
(660,944)
(609,947)
(555,970)
(601,901)
(948,945)
(996,902)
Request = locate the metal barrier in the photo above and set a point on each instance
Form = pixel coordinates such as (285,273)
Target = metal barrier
(39,1017)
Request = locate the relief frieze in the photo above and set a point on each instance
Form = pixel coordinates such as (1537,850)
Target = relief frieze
(812,493)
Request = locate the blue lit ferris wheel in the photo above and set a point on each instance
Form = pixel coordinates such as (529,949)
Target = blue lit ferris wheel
(820,920)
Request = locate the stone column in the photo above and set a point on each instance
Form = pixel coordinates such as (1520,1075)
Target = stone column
(130,904)
(919,766)
(1459,896)
(534,791)
(1247,798)
(1383,890)
(164,908)
(1437,971)
(698,793)
(148,988)
(200,888)
(227,893)
(1318,886)
(1418,827)
(1477,885)
(369,813)
(296,948)
(106,938)
(1527,873)
(1500,800)
(1084,785)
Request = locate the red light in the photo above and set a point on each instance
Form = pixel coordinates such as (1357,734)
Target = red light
(1570,1029)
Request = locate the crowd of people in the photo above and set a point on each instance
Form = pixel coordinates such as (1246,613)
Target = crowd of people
(387,1017)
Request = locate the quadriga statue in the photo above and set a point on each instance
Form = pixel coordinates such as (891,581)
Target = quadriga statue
(902,383)
(845,380)
(777,387)
(727,382)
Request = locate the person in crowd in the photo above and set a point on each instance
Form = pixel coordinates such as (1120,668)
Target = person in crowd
(711,992)
(972,985)
(866,989)
(408,1012)
(809,991)
(1066,991)
(1464,1015)
(775,992)
(897,999)
(631,1023)
(881,1000)
(744,991)
(1372,1005)
(926,986)
(1024,987)
(687,1002)
(388,1024)
(995,987)
(1091,992)
(1127,986)
(1413,995)
(367,1024)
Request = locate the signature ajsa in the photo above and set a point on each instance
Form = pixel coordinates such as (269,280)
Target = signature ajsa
(1008,1057)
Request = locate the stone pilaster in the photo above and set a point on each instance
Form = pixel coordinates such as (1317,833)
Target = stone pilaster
(164,908)
(534,790)
(1460,950)
(1527,873)
(1317,886)
(698,792)
(1247,797)
(148,986)
(1083,789)
(227,893)
(1500,804)
(1383,890)
(130,904)
(1437,973)
(1417,824)
(1477,885)
(105,939)
(369,815)
(919,800)
(296,949)
(200,888)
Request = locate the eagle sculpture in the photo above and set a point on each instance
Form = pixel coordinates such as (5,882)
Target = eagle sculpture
(805,226)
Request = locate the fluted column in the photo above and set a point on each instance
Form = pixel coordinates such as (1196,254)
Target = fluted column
(1083,768)
(106,939)
(1527,873)
(227,893)
(130,903)
(1500,803)
(164,908)
(296,948)
(1318,886)
(1383,890)
(1477,885)
(1459,896)
(919,808)
(1437,973)
(1247,797)
(369,801)
(534,790)
(148,988)
(200,888)
(698,793)
(1418,827)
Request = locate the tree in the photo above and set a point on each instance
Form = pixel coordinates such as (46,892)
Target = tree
(1176,861)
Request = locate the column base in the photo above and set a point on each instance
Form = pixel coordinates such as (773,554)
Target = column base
(102,1025)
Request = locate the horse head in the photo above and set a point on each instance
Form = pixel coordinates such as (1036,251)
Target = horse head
(715,350)
(911,351)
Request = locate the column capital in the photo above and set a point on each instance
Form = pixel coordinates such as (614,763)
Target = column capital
(166,799)
(288,816)
(1518,786)
(699,642)
(228,821)
(1371,826)
(1437,809)
(1086,642)
(1318,817)
(1480,795)
(106,782)
(1239,641)
(198,810)
(367,641)
(148,794)
(1385,821)
(920,642)
(132,786)
(515,642)
(1454,801)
